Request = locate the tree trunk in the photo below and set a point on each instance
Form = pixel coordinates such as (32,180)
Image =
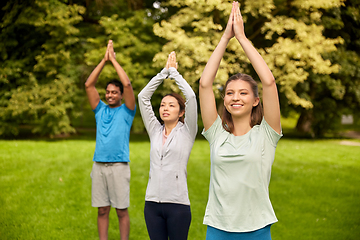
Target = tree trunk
(135,4)
(304,123)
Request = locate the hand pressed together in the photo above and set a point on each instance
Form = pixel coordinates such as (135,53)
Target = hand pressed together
(235,24)
(171,62)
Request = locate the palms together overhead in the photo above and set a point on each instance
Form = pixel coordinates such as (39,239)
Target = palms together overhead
(235,25)
(171,62)
(110,53)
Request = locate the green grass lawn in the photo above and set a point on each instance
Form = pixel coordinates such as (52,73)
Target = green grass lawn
(45,190)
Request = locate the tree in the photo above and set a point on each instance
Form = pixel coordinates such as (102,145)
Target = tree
(344,95)
(48,49)
(289,34)
(129,25)
(37,75)
(134,46)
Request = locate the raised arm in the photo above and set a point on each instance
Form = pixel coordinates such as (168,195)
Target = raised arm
(91,92)
(144,99)
(190,104)
(270,93)
(128,94)
(206,94)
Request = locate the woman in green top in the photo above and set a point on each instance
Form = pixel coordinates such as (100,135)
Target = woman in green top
(242,143)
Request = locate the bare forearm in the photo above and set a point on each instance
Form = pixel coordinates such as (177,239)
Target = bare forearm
(91,91)
(270,94)
(206,94)
(213,64)
(128,94)
(121,73)
(92,79)
(257,62)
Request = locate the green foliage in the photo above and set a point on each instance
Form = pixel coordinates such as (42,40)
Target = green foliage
(45,190)
(45,59)
(37,74)
(135,47)
(288,34)
(312,47)
(193,33)
(341,95)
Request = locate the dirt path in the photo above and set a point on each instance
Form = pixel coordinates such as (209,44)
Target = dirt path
(353,135)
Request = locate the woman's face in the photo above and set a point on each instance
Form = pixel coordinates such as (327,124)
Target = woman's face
(170,109)
(239,98)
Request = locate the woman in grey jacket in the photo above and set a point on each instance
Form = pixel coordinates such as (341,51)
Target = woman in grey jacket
(167,206)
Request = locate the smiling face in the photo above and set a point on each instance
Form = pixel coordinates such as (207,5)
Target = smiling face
(170,110)
(113,96)
(239,98)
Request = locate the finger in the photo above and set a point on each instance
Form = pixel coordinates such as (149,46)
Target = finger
(232,14)
(238,12)
(233,9)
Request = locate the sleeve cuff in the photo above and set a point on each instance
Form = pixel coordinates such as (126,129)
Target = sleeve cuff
(165,71)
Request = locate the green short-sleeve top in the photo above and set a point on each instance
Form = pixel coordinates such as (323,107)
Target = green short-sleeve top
(240,176)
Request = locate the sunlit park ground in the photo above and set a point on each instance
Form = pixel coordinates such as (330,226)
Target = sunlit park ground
(45,189)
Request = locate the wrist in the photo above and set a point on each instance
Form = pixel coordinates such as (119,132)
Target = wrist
(225,38)
(164,71)
(241,37)
(172,69)
(112,60)
(103,62)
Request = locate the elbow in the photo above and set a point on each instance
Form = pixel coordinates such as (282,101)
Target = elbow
(201,83)
(205,83)
(127,86)
(270,81)
(140,94)
(87,85)
(141,97)
(193,96)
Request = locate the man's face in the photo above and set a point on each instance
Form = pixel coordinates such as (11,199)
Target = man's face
(113,96)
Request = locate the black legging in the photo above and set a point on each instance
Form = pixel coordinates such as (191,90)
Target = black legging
(167,220)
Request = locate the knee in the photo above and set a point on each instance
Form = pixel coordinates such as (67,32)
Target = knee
(103,211)
(121,213)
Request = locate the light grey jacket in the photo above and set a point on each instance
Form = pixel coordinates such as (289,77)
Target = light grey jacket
(168,163)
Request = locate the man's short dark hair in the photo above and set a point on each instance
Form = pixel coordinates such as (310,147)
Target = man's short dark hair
(116,83)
